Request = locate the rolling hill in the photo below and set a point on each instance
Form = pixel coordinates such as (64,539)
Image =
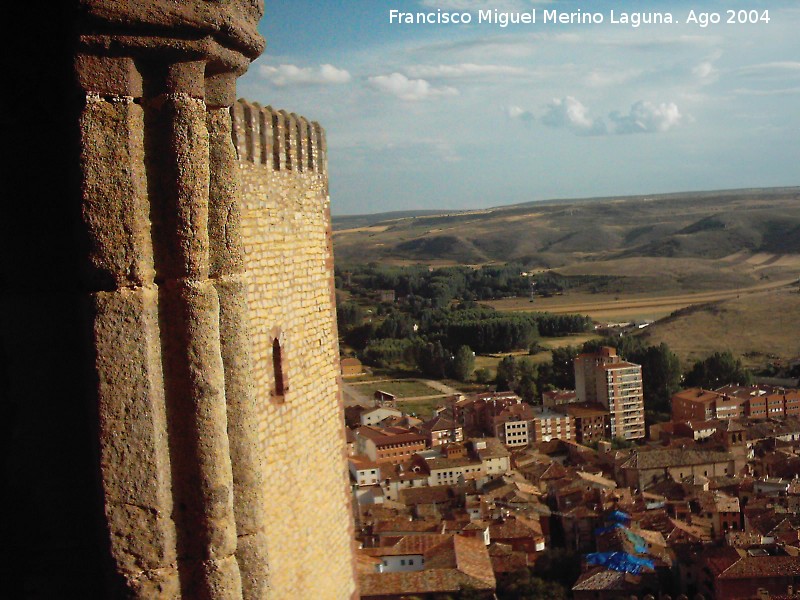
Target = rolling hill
(707,225)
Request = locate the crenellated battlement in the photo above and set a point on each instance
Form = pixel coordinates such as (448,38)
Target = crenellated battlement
(278,140)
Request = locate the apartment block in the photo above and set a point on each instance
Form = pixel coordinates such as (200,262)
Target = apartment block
(548,425)
(696,404)
(592,422)
(733,401)
(603,377)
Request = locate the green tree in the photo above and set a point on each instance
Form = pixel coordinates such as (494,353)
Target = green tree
(359,336)
(463,363)
(396,325)
(434,360)
(560,565)
(661,376)
(563,375)
(507,376)
(523,585)
(527,390)
(526,387)
(619,443)
(348,314)
(717,370)
(483,375)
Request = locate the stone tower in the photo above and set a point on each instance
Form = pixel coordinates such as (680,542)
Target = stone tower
(169,346)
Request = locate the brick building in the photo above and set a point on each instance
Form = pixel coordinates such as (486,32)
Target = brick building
(734,401)
(696,404)
(392,445)
(477,411)
(553,398)
(603,377)
(513,425)
(592,422)
(440,430)
(548,425)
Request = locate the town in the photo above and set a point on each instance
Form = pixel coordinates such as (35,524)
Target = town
(493,494)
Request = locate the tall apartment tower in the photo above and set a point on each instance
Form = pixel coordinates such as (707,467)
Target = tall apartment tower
(616,384)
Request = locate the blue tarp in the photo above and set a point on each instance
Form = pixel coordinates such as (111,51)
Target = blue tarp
(618,516)
(620,561)
(639,545)
(602,530)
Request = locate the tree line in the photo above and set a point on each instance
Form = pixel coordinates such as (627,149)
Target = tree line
(662,375)
(442,285)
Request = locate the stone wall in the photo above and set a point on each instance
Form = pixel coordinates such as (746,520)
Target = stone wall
(289,271)
(146,306)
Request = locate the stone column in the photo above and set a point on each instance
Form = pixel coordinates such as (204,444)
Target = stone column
(227,273)
(180,468)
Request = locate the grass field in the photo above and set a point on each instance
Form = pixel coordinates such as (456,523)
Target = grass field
(608,307)
(721,260)
(756,327)
(696,226)
(401,388)
(490,362)
(423,409)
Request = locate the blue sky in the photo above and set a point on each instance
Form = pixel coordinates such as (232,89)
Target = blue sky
(469,116)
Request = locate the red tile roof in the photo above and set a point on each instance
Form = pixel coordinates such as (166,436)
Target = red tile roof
(749,567)
(455,562)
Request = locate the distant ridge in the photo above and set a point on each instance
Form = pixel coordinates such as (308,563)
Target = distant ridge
(370,219)
(559,232)
(352,221)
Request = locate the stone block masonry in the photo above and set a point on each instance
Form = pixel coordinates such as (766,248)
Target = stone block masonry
(288,260)
(169,341)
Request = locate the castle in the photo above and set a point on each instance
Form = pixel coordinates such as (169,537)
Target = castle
(169,337)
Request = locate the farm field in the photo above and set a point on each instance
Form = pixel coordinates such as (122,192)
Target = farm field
(616,307)
(714,270)
(757,327)
(700,226)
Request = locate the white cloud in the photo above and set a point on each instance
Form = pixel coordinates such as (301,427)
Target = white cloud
(646,117)
(517,112)
(404,88)
(286,75)
(569,112)
(643,117)
(462,70)
(784,65)
(780,70)
(499,47)
(705,72)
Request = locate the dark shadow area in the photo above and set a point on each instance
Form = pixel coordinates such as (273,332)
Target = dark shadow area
(53,527)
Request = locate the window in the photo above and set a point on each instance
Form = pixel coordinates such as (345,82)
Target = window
(402,562)
(277,367)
